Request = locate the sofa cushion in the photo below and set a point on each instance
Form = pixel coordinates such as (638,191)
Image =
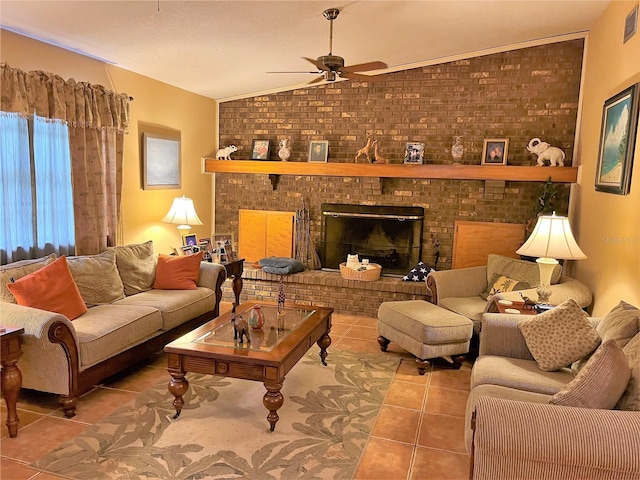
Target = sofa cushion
(17,270)
(177,273)
(521,270)
(601,382)
(176,306)
(97,277)
(518,374)
(502,283)
(559,336)
(137,266)
(106,330)
(630,399)
(621,324)
(50,288)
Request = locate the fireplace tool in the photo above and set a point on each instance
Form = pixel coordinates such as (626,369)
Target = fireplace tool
(305,248)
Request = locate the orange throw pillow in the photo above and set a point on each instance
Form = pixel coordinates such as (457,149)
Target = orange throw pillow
(177,273)
(51,288)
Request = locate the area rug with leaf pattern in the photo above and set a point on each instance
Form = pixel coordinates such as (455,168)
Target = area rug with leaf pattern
(222,432)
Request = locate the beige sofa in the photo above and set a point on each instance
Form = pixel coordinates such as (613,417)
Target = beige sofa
(461,290)
(127,320)
(512,431)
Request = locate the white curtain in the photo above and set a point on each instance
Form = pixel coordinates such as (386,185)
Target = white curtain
(16,211)
(54,194)
(36,214)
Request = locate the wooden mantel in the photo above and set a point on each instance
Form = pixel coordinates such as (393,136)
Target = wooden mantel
(456,172)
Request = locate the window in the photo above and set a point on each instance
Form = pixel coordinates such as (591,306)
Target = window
(36,202)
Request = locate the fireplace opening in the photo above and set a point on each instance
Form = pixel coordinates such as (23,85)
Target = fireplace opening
(387,235)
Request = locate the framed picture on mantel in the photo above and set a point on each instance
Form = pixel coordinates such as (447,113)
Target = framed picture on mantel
(495,151)
(318,150)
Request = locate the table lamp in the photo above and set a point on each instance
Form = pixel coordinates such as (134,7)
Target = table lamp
(550,240)
(183,213)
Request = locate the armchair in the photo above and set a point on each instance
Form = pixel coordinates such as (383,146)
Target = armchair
(460,290)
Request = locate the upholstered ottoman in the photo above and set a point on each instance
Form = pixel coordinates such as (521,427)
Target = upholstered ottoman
(425,330)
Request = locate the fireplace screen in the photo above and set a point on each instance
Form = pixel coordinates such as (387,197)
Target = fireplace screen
(387,235)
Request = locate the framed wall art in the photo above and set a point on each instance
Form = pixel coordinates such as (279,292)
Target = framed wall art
(160,161)
(414,152)
(260,150)
(617,142)
(495,151)
(630,24)
(318,150)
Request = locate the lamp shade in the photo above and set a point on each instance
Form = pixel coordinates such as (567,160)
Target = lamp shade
(182,212)
(552,238)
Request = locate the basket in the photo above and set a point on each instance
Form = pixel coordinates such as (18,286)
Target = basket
(370,275)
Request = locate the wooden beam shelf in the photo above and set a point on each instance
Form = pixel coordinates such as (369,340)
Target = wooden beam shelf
(512,173)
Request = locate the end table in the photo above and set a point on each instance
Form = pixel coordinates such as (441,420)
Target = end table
(11,376)
(234,271)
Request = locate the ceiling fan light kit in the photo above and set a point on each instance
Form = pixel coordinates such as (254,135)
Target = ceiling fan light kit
(331,67)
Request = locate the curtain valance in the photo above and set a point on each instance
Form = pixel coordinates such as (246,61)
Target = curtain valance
(79,104)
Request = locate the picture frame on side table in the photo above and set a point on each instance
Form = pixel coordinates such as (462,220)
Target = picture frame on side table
(223,246)
(495,151)
(414,153)
(190,240)
(617,142)
(318,150)
(161,161)
(260,150)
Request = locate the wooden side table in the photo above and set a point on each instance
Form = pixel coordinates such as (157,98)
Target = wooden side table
(11,376)
(496,307)
(234,271)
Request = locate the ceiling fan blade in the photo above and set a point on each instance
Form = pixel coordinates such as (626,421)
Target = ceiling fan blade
(316,80)
(321,66)
(313,73)
(357,76)
(364,67)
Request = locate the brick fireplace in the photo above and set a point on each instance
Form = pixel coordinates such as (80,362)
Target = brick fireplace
(518,94)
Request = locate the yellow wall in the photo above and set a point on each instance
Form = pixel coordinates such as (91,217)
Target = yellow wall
(608,226)
(155,103)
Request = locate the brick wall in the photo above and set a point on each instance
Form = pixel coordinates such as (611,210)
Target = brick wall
(520,94)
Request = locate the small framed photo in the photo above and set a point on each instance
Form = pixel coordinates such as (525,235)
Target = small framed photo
(260,150)
(631,24)
(617,141)
(223,240)
(205,244)
(190,240)
(414,153)
(495,151)
(318,150)
(190,249)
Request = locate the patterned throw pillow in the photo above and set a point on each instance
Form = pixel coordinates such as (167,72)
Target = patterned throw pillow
(601,382)
(521,270)
(559,336)
(631,397)
(418,273)
(137,267)
(97,277)
(501,283)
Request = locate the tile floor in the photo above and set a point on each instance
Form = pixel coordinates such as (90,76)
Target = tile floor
(419,433)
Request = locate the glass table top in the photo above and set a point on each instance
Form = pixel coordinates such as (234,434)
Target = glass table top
(275,329)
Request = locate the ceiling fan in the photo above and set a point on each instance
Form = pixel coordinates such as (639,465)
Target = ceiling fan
(331,67)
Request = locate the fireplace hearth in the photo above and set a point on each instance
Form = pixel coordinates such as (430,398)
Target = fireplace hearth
(390,236)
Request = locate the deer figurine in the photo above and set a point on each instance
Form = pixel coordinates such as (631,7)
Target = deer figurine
(364,151)
(377,156)
(240,327)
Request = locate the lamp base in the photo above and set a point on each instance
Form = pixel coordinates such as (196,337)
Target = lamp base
(184,230)
(546,266)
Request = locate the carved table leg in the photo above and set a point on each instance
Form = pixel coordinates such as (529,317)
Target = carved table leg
(11,383)
(236,285)
(383,342)
(272,401)
(323,343)
(178,386)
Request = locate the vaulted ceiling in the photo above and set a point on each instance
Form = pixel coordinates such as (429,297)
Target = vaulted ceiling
(224,49)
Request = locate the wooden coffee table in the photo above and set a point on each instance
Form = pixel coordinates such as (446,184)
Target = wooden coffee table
(211,349)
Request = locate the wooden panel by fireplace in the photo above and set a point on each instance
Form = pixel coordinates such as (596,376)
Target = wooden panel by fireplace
(388,235)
